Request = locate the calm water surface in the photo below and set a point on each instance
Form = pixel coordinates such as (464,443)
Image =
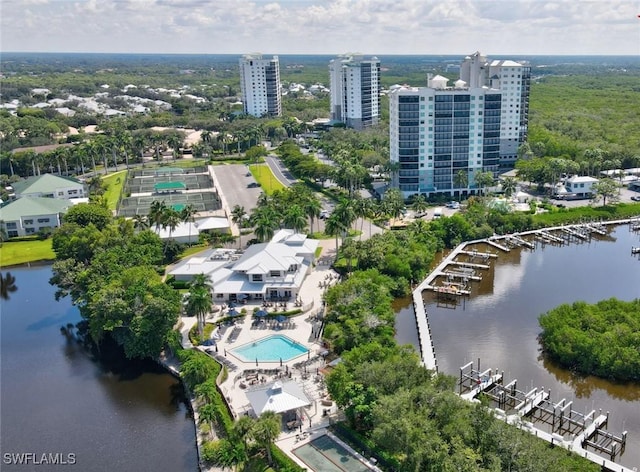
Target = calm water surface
(498,322)
(55,399)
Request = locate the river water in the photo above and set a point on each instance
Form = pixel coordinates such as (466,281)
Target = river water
(55,399)
(498,322)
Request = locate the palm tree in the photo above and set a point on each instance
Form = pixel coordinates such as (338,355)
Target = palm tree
(334,227)
(361,210)
(230,454)
(100,147)
(311,207)
(419,203)
(264,228)
(187,216)
(157,139)
(157,213)
(95,185)
(141,222)
(238,215)
(461,179)
(91,151)
(345,213)
(266,430)
(295,218)
(175,142)
(205,137)
(483,180)
(124,142)
(200,302)
(207,412)
(171,220)
(394,202)
(139,145)
(509,186)
(243,429)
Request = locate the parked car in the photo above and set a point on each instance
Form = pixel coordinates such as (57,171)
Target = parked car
(636,198)
(253,185)
(324,214)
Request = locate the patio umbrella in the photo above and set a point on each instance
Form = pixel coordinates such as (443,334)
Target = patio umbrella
(233,312)
(242,296)
(281,318)
(209,342)
(261,313)
(232,305)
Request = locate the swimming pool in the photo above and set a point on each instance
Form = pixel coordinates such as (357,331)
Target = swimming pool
(270,349)
(323,454)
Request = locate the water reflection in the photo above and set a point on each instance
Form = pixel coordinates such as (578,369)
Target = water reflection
(114,415)
(7,285)
(585,386)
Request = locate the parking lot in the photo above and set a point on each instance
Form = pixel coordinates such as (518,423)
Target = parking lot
(236,184)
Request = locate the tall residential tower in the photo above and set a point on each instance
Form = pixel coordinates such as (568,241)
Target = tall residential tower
(260,85)
(442,136)
(355,90)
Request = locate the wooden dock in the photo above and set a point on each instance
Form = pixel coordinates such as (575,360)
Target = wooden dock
(478,254)
(491,242)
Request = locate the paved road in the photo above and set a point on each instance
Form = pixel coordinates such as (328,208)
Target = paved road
(280,171)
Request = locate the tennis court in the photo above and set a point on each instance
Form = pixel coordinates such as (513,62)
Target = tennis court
(151,183)
(201,201)
(323,454)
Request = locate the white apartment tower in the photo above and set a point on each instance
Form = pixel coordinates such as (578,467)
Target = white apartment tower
(441,136)
(260,85)
(355,90)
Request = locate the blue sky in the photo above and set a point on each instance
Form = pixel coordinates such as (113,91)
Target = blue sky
(495,27)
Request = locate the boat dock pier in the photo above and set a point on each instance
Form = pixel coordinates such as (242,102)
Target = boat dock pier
(472,382)
(556,423)
(427,352)
(463,273)
(516,241)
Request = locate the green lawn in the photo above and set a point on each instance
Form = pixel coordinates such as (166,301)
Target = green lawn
(113,184)
(191,250)
(265,178)
(188,163)
(20,252)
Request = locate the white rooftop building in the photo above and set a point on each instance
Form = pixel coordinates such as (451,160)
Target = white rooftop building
(273,270)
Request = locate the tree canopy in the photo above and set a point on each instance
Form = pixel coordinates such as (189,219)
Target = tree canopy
(602,339)
(111,275)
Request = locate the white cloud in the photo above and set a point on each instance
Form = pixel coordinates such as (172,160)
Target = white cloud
(323,26)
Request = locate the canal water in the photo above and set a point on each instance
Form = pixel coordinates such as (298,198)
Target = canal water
(54,398)
(498,322)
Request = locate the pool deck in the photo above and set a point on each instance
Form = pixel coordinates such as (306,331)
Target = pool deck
(311,290)
(316,423)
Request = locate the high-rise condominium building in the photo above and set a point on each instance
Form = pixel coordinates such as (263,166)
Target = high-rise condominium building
(442,136)
(260,85)
(355,90)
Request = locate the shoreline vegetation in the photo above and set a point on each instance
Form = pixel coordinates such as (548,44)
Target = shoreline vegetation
(601,339)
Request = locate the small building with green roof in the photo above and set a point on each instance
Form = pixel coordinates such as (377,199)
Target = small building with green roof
(169,187)
(28,215)
(50,186)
